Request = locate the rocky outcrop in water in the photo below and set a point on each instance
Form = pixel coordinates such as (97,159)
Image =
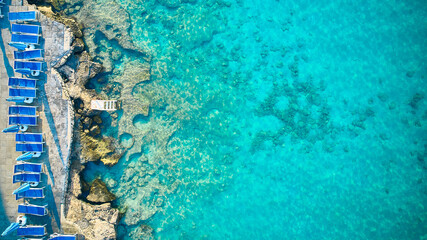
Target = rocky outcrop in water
(93,221)
(99,193)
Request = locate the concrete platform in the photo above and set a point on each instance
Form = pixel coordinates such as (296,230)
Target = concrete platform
(53,122)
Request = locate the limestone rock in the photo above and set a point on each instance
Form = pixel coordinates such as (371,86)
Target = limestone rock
(86,69)
(75,184)
(99,192)
(109,18)
(95,130)
(78,45)
(94,149)
(95,222)
(69,22)
(111,160)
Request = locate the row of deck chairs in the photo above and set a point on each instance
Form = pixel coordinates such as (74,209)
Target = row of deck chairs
(25,38)
(23,90)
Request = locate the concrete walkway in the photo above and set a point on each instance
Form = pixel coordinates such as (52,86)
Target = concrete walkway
(53,121)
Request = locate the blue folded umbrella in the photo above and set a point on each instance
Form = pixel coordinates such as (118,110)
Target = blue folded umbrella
(31,193)
(29,147)
(23,120)
(25,28)
(32,209)
(22,92)
(22,110)
(32,66)
(56,236)
(31,231)
(25,38)
(28,167)
(16,99)
(26,177)
(23,188)
(26,156)
(22,82)
(29,137)
(23,16)
(19,46)
(28,55)
(12,227)
(14,128)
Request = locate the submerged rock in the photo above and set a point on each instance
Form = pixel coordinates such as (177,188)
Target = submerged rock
(94,149)
(99,192)
(142,232)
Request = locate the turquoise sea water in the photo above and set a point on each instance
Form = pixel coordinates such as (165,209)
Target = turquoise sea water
(268,119)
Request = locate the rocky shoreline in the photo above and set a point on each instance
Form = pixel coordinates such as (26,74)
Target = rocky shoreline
(87,209)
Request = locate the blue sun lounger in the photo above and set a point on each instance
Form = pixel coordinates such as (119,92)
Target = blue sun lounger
(28,55)
(28,167)
(26,177)
(31,193)
(25,38)
(22,110)
(29,147)
(37,231)
(25,28)
(29,137)
(57,236)
(23,16)
(23,120)
(32,209)
(33,68)
(22,92)
(22,82)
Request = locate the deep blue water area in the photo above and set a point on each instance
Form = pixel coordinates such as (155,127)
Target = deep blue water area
(268,119)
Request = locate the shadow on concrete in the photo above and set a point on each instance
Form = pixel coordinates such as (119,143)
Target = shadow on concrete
(5,24)
(53,208)
(4,221)
(50,120)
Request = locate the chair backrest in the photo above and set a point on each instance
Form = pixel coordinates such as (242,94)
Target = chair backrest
(22,82)
(22,110)
(29,147)
(25,28)
(23,16)
(29,137)
(23,120)
(22,92)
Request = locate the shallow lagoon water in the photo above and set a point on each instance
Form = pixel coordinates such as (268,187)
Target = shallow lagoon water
(268,119)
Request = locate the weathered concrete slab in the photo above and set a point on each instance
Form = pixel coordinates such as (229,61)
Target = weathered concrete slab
(53,121)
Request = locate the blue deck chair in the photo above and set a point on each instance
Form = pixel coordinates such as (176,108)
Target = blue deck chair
(27,68)
(32,209)
(29,137)
(28,167)
(37,231)
(31,193)
(29,147)
(25,38)
(23,120)
(25,28)
(22,92)
(22,110)
(28,55)
(22,82)
(23,16)
(57,236)
(26,177)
